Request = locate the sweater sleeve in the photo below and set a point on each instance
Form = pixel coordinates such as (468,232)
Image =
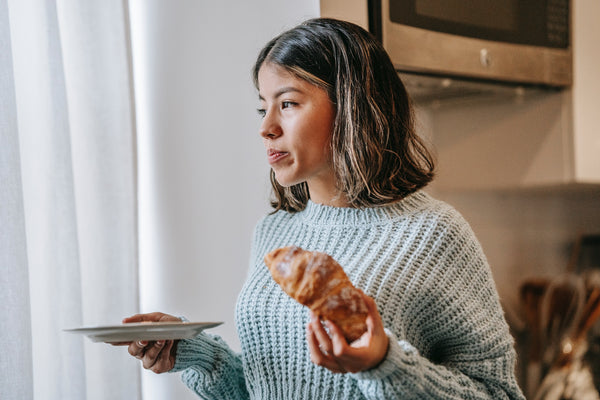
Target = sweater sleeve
(210,368)
(456,344)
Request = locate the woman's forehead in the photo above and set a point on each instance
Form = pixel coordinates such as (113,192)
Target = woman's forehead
(273,80)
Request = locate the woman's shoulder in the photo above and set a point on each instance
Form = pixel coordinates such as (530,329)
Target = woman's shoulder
(442,218)
(426,205)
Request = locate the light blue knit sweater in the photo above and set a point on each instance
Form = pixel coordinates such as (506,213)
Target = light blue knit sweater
(419,260)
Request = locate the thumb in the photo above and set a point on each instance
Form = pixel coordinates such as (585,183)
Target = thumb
(150,317)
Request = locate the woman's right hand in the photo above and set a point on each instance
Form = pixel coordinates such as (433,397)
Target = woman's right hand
(157,356)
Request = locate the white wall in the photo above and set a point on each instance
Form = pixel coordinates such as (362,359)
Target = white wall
(203,176)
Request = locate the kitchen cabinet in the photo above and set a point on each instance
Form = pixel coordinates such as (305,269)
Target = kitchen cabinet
(522,137)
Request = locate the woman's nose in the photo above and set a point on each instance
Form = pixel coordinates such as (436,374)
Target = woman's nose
(270,127)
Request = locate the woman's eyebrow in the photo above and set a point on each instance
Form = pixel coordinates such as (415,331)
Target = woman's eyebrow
(282,91)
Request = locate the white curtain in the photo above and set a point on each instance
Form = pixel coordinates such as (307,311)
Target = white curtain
(68,236)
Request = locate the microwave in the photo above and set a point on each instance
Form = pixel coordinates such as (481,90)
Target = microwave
(509,41)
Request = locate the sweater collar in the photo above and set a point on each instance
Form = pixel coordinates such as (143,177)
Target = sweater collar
(319,214)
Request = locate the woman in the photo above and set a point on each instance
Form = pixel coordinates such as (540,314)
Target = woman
(347,173)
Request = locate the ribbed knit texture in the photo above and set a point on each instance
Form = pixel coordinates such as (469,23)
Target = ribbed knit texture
(419,260)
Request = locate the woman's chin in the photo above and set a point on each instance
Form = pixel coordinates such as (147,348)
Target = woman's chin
(286,181)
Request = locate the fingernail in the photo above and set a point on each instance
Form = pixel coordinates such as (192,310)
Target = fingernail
(142,342)
(160,342)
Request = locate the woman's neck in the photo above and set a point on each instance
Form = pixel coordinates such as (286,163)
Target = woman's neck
(329,199)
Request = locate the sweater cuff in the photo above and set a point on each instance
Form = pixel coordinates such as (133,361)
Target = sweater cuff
(199,351)
(399,353)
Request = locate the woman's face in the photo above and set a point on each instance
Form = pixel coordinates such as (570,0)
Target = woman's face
(296,129)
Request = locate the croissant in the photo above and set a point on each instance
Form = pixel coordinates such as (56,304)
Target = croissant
(316,280)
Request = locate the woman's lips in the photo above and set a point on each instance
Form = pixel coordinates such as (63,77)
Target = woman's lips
(275,155)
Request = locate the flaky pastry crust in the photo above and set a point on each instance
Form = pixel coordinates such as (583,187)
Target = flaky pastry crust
(316,280)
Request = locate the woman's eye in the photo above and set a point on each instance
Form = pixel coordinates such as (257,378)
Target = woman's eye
(262,112)
(287,104)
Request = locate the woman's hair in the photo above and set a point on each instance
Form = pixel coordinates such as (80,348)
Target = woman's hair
(377,156)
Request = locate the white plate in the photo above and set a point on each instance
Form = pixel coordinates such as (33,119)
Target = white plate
(144,331)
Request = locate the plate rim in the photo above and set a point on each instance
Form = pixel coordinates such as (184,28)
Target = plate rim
(143,326)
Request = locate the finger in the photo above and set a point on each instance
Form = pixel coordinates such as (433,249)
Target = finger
(323,339)
(346,358)
(313,344)
(339,345)
(149,317)
(373,321)
(151,353)
(317,357)
(350,357)
(137,348)
(165,361)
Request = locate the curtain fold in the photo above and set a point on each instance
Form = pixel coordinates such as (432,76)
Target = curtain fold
(16,368)
(69,227)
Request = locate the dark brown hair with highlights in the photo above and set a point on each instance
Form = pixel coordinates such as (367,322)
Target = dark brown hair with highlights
(377,156)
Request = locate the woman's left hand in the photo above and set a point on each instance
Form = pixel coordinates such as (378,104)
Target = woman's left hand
(333,352)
